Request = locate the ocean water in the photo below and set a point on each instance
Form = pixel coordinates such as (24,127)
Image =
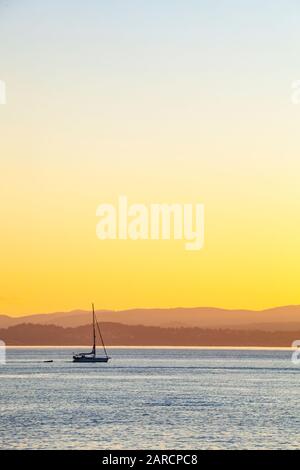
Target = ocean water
(150,399)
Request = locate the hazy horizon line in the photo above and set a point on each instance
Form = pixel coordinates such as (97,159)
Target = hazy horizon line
(12,315)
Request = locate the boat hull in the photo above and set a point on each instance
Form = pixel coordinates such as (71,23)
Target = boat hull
(90,359)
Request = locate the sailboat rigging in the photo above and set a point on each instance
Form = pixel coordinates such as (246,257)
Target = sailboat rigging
(92,356)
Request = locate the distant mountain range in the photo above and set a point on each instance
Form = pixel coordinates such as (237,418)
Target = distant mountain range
(285,318)
(116,334)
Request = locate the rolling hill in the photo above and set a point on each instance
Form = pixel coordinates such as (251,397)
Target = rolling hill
(285,318)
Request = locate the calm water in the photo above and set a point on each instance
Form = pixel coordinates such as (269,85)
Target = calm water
(150,398)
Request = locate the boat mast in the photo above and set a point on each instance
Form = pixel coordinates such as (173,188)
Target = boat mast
(94,332)
(100,334)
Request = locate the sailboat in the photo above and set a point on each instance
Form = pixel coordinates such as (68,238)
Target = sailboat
(92,356)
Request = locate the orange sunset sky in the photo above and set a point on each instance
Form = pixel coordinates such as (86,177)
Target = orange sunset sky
(163,102)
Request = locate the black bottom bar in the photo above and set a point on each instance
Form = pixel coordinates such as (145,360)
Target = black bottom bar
(152,458)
